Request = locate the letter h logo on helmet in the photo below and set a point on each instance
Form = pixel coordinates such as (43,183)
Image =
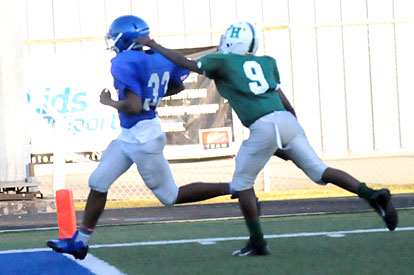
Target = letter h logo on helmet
(235,32)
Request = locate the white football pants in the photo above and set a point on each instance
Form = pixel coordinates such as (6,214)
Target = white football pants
(267,134)
(151,163)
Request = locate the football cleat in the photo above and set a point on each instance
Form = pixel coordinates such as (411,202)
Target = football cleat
(252,249)
(70,246)
(381,202)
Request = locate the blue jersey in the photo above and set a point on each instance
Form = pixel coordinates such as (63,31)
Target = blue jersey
(147,74)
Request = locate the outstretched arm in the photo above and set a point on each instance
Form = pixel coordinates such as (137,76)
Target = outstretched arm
(172,55)
(174,89)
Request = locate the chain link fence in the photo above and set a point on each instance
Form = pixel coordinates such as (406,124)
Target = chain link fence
(345,66)
(278,177)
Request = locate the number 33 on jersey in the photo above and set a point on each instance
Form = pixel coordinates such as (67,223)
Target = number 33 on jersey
(147,74)
(155,83)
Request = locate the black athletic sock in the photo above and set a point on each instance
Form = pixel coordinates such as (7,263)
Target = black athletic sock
(364,191)
(228,188)
(256,234)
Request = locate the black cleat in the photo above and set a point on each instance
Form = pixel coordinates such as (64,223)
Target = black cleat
(381,202)
(252,249)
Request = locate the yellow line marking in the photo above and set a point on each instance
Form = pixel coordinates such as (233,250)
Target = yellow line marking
(192,33)
(329,191)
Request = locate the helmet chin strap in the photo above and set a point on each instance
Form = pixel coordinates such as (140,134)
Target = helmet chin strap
(113,47)
(131,46)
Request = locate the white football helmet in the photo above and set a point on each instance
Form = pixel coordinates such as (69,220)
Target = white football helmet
(239,38)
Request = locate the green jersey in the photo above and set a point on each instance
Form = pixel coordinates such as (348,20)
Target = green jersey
(247,82)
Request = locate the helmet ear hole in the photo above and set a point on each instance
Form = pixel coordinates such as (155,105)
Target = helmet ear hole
(126,42)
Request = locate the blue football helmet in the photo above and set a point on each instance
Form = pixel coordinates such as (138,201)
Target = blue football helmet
(122,32)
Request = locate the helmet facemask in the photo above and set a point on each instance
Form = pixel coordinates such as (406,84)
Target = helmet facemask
(123,31)
(111,42)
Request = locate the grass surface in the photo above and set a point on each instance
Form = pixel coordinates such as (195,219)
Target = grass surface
(362,253)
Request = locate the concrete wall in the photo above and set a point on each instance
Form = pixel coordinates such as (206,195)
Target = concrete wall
(346,65)
(14,138)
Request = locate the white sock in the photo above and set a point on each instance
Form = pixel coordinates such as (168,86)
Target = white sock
(84,238)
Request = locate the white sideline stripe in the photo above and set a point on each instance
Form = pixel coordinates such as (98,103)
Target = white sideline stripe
(28,229)
(211,240)
(152,221)
(96,265)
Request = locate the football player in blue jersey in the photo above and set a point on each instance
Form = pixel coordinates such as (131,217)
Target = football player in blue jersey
(141,78)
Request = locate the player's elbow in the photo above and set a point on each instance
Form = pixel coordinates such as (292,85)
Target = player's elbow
(132,109)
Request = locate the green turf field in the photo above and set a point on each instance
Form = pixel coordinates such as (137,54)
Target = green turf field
(299,244)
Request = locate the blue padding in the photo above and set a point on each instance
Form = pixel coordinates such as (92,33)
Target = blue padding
(46,262)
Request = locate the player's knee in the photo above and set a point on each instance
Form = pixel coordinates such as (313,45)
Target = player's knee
(167,197)
(168,201)
(95,183)
(240,184)
(316,173)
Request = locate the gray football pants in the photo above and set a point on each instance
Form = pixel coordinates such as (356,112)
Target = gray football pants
(267,134)
(151,163)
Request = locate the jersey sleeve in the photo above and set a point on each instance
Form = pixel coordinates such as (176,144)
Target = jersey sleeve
(124,77)
(179,74)
(275,70)
(210,65)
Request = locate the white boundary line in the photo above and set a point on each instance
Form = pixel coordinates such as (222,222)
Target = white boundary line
(28,229)
(194,220)
(276,236)
(96,265)
(213,240)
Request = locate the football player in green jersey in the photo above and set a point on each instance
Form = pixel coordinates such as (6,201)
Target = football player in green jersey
(251,85)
